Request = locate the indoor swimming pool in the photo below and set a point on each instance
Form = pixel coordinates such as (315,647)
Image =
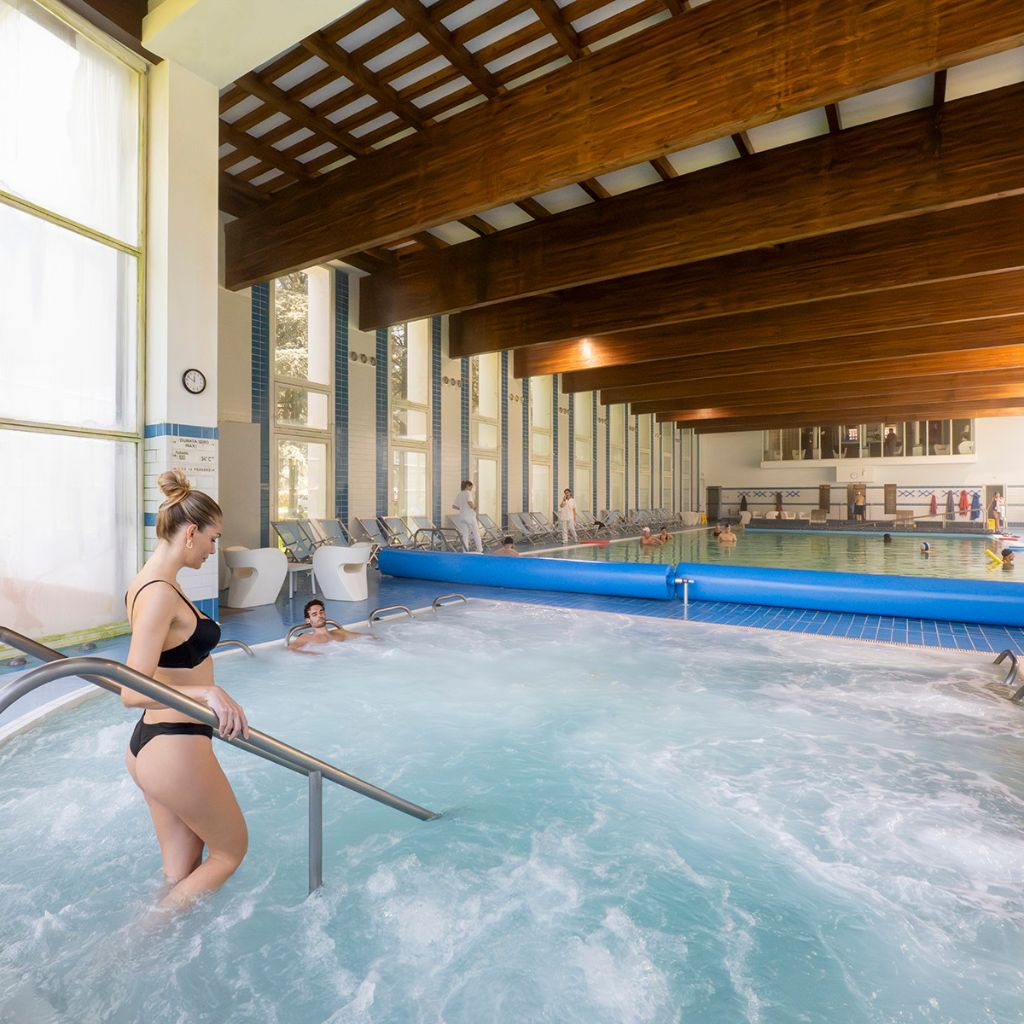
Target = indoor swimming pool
(962,557)
(645,822)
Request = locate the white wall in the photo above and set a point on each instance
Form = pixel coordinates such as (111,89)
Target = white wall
(733,461)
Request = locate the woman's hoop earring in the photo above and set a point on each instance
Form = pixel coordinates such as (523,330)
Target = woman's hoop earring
(188,544)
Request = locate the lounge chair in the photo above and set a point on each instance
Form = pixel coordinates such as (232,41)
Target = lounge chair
(526,529)
(397,532)
(333,531)
(371,530)
(299,548)
(437,538)
(489,531)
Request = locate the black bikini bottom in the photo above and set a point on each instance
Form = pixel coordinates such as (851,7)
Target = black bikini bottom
(145,731)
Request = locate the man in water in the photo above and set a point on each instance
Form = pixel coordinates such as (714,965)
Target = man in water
(646,540)
(508,547)
(316,617)
(727,536)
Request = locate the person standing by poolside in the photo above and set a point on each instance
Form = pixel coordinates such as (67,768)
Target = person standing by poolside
(567,517)
(465,518)
(170,756)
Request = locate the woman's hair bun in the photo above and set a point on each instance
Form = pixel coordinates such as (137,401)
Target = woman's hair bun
(174,484)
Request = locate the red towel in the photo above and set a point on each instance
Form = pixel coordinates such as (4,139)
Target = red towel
(934,507)
(965,502)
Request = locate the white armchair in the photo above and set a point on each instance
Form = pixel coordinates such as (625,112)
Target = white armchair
(690,518)
(340,572)
(745,517)
(256,575)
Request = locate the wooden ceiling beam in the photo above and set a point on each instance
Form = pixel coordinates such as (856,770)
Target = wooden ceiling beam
(993,333)
(535,209)
(868,175)
(689,83)
(279,100)
(248,145)
(441,39)
(852,412)
(930,390)
(882,373)
(964,242)
(927,305)
(664,168)
(554,21)
(334,56)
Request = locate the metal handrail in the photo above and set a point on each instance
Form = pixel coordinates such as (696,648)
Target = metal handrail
(438,601)
(379,612)
(303,626)
(236,643)
(112,675)
(1011,676)
(686,589)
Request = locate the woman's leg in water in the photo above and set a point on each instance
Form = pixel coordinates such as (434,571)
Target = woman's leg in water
(181,775)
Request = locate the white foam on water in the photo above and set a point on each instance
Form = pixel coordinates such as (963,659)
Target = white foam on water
(644,822)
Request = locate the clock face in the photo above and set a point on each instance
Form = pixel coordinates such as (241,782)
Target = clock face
(194,381)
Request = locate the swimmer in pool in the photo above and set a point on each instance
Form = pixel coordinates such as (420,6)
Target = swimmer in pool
(886,538)
(717,531)
(727,536)
(508,548)
(170,756)
(646,540)
(664,536)
(925,549)
(1007,556)
(316,616)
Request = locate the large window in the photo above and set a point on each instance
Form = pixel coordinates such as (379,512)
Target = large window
(617,457)
(643,432)
(540,445)
(71,247)
(583,450)
(303,395)
(891,440)
(668,432)
(409,346)
(484,403)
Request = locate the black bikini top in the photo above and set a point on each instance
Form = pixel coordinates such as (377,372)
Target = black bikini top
(197,647)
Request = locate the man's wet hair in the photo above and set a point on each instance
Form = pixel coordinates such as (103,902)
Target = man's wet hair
(312,604)
(505,541)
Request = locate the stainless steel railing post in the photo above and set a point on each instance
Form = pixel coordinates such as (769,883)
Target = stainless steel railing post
(316,831)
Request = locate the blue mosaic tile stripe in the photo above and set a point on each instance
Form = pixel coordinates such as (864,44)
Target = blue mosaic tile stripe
(436,399)
(504,439)
(572,445)
(261,396)
(180,430)
(526,444)
(464,410)
(382,422)
(554,442)
(341,381)
(593,452)
(655,501)
(607,457)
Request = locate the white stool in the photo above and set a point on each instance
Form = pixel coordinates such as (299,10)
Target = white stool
(256,575)
(340,572)
(297,567)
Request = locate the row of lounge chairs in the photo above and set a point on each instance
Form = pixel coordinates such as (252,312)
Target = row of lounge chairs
(301,537)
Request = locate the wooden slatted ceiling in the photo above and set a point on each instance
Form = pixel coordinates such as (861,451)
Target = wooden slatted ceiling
(381,97)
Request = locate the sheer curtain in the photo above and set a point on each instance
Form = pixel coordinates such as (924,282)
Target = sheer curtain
(69,326)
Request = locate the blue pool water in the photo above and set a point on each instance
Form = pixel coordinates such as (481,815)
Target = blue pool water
(643,822)
(949,557)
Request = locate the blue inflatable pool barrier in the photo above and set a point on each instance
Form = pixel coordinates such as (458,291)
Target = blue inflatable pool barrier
(986,602)
(611,579)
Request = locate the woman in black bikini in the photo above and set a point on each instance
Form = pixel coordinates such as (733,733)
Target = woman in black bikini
(170,755)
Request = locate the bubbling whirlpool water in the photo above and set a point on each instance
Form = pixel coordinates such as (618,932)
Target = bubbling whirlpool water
(645,822)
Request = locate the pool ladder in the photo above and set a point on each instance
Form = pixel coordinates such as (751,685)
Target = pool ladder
(1011,675)
(112,675)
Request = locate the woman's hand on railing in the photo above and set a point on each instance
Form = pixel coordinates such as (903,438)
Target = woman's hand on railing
(231,718)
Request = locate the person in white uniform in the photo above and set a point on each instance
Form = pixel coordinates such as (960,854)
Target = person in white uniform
(567,517)
(465,518)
